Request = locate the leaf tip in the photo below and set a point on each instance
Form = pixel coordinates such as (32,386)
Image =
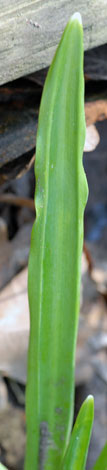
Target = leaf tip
(90,398)
(76,16)
(90,405)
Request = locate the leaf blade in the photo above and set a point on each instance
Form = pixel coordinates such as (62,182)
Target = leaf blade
(75,458)
(101,462)
(55,254)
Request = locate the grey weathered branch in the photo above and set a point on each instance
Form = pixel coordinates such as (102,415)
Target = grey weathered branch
(31,29)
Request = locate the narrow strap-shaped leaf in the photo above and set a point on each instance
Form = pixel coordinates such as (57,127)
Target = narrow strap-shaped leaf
(101,462)
(55,255)
(75,458)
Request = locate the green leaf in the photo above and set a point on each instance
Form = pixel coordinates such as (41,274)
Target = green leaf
(2,467)
(55,255)
(75,458)
(101,463)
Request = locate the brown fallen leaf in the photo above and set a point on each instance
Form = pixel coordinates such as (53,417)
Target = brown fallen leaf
(14,328)
(12,437)
(99,276)
(95,111)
